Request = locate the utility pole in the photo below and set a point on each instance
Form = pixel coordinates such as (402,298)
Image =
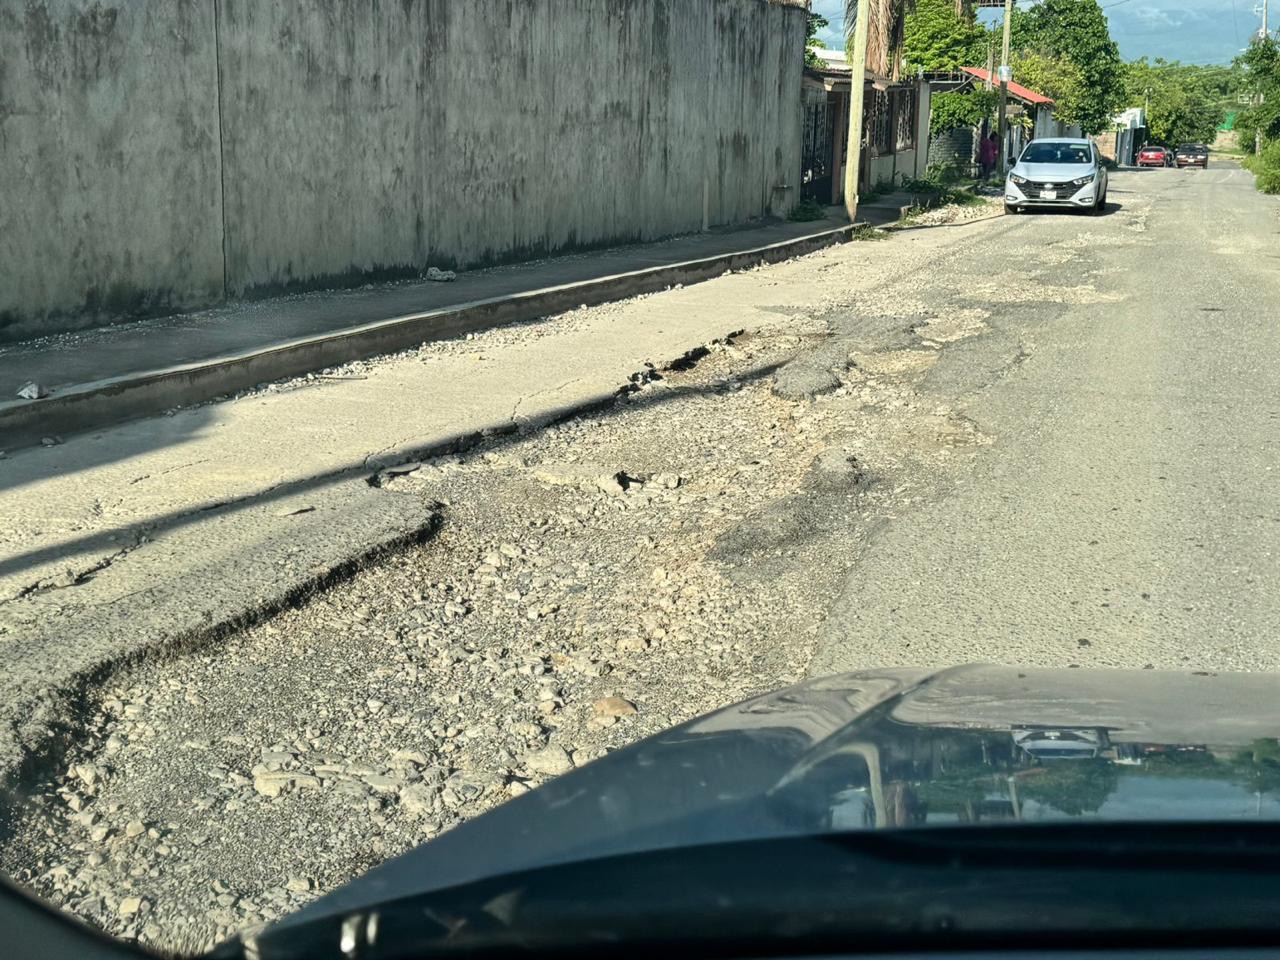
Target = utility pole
(1004,89)
(857,81)
(1266,32)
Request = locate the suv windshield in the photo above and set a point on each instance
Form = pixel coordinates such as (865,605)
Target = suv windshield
(1057,153)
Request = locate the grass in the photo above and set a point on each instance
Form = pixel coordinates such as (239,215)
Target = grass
(864,231)
(1265,167)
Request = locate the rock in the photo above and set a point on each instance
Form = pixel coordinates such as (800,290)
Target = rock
(271,784)
(130,906)
(50,441)
(550,761)
(99,833)
(668,481)
(298,885)
(417,800)
(611,484)
(384,784)
(416,757)
(440,276)
(134,828)
(32,391)
(614,707)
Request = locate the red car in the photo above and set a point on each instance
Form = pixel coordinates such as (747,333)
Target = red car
(1155,157)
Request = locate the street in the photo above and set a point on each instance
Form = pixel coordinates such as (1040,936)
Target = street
(1129,514)
(1033,439)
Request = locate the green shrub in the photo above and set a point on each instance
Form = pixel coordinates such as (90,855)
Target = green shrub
(808,209)
(923,185)
(1265,167)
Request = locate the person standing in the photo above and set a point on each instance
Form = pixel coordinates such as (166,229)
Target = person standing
(988,153)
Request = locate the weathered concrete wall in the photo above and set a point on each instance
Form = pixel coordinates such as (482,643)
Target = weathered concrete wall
(376,137)
(110,197)
(192,149)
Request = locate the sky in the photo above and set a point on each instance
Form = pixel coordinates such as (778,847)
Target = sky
(1193,31)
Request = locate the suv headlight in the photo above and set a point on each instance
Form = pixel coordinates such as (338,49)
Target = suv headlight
(1082,181)
(1014,178)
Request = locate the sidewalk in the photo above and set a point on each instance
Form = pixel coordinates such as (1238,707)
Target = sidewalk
(121,372)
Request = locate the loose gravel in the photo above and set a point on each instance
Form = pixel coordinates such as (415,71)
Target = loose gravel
(591,584)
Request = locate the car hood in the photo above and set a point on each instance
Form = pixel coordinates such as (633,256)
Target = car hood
(1053,172)
(875,750)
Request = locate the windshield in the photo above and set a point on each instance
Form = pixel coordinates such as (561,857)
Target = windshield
(441,440)
(1057,153)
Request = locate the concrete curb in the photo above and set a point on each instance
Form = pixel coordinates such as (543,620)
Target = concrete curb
(100,403)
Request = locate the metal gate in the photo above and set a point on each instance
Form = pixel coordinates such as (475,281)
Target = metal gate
(816,172)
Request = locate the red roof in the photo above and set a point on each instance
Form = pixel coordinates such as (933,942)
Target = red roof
(1017,89)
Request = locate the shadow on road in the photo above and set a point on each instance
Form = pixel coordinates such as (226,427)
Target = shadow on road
(1112,207)
(488,437)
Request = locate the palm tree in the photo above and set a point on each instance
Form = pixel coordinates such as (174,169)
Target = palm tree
(884,37)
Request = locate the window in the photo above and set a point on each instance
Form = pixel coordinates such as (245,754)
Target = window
(877,128)
(904,117)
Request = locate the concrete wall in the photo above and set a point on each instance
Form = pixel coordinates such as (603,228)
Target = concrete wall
(359,139)
(110,196)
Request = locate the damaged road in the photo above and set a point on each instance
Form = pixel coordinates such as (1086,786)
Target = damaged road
(882,454)
(560,541)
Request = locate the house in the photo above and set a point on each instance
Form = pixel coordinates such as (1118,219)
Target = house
(895,126)
(1030,114)
(1127,135)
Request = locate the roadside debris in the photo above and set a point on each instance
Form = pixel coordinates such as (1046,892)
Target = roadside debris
(440,276)
(33,391)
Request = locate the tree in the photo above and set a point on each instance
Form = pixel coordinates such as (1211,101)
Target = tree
(939,37)
(1055,77)
(812,44)
(1077,30)
(967,108)
(885,29)
(1179,106)
(1260,65)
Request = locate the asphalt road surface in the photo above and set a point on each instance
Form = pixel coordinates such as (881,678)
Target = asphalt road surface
(1128,512)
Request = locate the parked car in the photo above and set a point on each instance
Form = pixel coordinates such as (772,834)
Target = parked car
(1155,157)
(1058,172)
(1192,155)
